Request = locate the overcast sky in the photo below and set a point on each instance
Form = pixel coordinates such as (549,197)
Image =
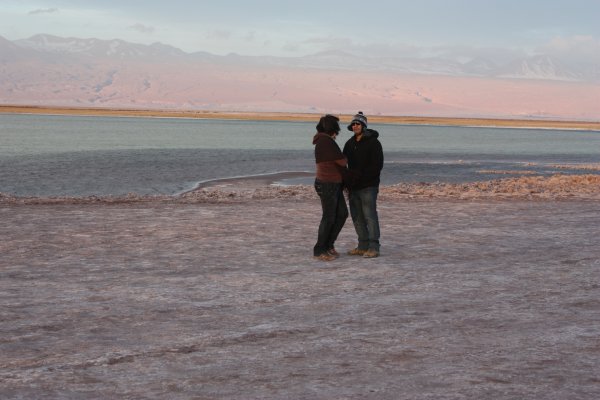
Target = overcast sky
(295,28)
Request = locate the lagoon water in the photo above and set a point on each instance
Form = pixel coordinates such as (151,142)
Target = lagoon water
(43,155)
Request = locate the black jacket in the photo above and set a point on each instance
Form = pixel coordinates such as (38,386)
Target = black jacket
(365,160)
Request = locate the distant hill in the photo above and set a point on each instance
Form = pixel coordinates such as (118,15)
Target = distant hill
(51,70)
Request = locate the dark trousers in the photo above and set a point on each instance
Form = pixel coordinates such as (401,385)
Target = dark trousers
(335,213)
(363,208)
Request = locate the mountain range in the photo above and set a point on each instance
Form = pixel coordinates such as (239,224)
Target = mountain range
(51,70)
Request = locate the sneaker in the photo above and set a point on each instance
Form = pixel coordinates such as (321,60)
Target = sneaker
(371,253)
(356,252)
(333,252)
(325,257)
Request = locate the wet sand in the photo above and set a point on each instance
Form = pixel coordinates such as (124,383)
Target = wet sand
(215,295)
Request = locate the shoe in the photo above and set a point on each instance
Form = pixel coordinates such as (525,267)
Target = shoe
(356,252)
(325,257)
(333,252)
(371,253)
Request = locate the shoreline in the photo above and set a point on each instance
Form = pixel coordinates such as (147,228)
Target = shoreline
(265,188)
(249,181)
(300,117)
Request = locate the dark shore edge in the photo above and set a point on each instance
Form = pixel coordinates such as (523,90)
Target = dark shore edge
(302,117)
(274,178)
(265,188)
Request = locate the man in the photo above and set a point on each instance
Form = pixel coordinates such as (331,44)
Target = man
(365,162)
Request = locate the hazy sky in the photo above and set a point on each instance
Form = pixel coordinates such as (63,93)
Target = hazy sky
(281,28)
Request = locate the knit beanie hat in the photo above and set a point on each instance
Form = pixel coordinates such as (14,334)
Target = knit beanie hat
(360,117)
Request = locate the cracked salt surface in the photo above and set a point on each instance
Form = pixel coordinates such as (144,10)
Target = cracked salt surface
(473,297)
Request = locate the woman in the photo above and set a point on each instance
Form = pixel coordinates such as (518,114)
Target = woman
(328,183)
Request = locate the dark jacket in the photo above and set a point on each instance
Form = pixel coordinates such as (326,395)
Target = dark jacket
(365,160)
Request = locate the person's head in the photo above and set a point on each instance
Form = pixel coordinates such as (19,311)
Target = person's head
(358,123)
(329,124)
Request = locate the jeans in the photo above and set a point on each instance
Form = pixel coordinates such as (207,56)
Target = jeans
(335,213)
(363,208)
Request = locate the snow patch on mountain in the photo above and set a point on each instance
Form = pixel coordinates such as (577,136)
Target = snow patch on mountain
(97,48)
(540,67)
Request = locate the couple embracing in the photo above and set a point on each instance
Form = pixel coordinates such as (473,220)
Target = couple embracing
(357,168)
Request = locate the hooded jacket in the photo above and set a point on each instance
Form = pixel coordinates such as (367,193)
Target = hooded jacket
(331,163)
(365,160)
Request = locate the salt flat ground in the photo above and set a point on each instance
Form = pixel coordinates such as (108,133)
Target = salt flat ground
(489,299)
